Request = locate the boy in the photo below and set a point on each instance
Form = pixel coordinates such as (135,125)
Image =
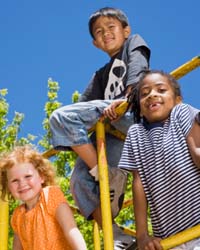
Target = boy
(129,57)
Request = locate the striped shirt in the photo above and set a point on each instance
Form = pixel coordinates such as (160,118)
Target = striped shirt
(170,179)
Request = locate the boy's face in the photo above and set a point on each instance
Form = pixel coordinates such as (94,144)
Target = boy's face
(109,35)
(157,98)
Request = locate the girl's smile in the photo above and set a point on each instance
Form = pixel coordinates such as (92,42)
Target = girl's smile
(25,183)
(154,106)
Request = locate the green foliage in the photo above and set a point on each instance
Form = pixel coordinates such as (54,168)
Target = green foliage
(9,131)
(75,96)
(50,106)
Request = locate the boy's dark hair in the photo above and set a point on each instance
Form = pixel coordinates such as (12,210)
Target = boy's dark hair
(134,98)
(107,12)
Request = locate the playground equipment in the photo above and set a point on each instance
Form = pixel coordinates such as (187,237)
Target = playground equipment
(100,128)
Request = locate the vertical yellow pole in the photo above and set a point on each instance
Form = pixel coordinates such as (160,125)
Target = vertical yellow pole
(97,241)
(104,188)
(3,225)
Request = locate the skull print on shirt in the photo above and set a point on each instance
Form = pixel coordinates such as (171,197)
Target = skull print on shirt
(115,84)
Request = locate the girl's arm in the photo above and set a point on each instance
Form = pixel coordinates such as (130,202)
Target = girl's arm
(72,234)
(144,241)
(193,141)
(17,243)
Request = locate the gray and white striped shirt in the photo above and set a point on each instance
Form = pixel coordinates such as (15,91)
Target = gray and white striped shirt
(170,178)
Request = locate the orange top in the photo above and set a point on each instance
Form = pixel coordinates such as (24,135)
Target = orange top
(38,228)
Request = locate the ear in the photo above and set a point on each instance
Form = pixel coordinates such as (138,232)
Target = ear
(127,31)
(42,179)
(95,44)
(178,99)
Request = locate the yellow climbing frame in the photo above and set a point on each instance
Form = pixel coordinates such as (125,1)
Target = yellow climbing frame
(167,243)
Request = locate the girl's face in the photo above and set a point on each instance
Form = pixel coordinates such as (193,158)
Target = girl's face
(25,183)
(157,98)
(109,35)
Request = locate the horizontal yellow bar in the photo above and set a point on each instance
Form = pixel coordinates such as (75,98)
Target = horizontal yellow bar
(180,238)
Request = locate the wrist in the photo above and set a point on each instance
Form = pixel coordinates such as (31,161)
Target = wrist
(141,235)
(94,172)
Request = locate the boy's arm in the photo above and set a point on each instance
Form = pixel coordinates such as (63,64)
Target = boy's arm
(93,91)
(193,141)
(144,241)
(110,111)
(17,243)
(137,56)
(137,64)
(66,221)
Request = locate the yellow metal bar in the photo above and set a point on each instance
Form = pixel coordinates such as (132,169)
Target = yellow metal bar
(104,188)
(4,225)
(129,231)
(121,109)
(49,153)
(97,241)
(113,131)
(186,68)
(181,238)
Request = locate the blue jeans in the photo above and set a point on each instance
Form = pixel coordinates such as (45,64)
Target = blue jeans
(69,126)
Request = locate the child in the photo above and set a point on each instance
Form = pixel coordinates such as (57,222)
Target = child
(163,153)
(129,56)
(44,219)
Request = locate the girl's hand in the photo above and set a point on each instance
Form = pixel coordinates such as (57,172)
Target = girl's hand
(149,243)
(110,112)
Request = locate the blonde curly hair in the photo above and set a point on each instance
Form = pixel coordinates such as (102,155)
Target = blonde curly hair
(21,154)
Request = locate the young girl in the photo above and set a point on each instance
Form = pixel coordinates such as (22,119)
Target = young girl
(163,153)
(44,220)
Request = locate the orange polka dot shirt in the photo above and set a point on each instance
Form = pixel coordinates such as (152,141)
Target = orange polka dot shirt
(38,228)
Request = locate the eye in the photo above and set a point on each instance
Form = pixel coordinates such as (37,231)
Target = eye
(111,26)
(14,181)
(28,176)
(144,93)
(97,32)
(162,90)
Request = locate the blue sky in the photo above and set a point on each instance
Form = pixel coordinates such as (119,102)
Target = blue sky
(43,39)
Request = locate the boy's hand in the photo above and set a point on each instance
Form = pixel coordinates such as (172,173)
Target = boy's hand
(149,243)
(110,112)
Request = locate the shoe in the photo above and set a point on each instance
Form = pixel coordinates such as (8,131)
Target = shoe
(117,182)
(123,241)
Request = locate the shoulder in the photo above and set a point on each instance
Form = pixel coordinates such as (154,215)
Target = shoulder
(136,41)
(183,116)
(17,215)
(184,110)
(52,192)
(136,130)
(53,197)
(19,210)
